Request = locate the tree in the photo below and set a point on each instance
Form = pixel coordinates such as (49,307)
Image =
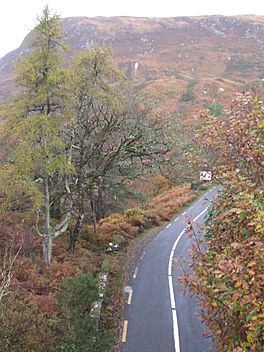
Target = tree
(111,136)
(187,155)
(76,326)
(228,276)
(37,119)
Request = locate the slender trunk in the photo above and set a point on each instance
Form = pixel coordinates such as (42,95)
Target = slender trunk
(47,248)
(93,207)
(100,208)
(47,241)
(74,233)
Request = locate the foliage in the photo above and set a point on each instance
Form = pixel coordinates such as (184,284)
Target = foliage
(216,109)
(228,276)
(186,152)
(188,96)
(112,137)
(134,220)
(35,125)
(78,330)
(24,327)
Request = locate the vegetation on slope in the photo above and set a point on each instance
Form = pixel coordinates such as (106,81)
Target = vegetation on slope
(228,276)
(73,145)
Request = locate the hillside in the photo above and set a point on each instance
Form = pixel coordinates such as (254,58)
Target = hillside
(186,62)
(85,188)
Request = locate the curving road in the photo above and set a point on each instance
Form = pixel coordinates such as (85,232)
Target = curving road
(157,317)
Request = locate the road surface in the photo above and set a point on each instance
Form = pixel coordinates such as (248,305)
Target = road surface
(157,317)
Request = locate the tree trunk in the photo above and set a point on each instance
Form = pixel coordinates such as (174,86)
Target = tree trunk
(93,207)
(100,208)
(47,240)
(74,233)
(47,248)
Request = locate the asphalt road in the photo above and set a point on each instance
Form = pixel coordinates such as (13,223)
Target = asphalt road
(157,317)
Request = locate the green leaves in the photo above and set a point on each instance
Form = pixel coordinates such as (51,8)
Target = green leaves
(76,326)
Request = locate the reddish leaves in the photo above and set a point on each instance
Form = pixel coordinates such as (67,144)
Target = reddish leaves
(229,277)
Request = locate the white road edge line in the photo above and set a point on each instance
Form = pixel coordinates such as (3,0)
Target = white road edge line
(198,216)
(170,263)
(176,218)
(168,226)
(173,305)
(175,331)
(172,297)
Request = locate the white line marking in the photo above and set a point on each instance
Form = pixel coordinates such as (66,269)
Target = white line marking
(129,300)
(184,213)
(172,297)
(177,218)
(177,240)
(168,226)
(175,331)
(197,217)
(124,335)
(170,262)
(173,306)
(135,273)
(169,270)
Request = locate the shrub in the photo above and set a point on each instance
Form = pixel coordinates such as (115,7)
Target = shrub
(135,217)
(76,327)
(216,109)
(24,327)
(188,96)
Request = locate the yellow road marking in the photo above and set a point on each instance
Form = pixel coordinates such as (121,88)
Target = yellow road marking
(135,273)
(124,335)
(129,300)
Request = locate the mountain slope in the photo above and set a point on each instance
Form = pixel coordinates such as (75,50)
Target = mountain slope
(186,62)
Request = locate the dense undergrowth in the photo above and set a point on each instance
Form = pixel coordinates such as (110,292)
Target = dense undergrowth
(48,308)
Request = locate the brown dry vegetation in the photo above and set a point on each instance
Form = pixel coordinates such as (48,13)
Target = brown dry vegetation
(224,51)
(135,220)
(34,288)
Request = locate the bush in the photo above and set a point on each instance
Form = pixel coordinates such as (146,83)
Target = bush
(76,327)
(198,186)
(135,216)
(216,109)
(24,328)
(188,96)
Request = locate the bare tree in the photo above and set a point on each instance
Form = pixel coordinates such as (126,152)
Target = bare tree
(7,269)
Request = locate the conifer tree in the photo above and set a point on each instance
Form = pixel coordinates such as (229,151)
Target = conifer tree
(36,123)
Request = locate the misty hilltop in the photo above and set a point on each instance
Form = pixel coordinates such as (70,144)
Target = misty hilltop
(185,62)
